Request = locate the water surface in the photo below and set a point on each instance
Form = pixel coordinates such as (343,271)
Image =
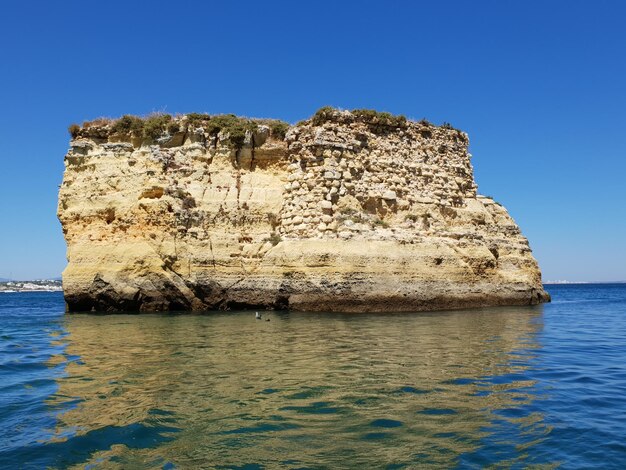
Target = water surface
(507,387)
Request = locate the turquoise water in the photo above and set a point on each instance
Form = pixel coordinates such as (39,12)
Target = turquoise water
(505,387)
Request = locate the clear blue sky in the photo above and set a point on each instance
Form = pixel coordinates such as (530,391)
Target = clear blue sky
(540,86)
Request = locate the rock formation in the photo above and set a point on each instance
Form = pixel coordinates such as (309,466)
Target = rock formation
(347,211)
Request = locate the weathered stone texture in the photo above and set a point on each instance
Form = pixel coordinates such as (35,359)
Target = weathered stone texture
(341,216)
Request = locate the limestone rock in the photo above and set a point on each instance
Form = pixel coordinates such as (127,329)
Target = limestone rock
(343,215)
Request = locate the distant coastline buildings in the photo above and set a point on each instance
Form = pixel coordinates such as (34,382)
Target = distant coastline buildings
(39,285)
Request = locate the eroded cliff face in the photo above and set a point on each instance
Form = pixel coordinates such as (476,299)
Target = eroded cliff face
(346,213)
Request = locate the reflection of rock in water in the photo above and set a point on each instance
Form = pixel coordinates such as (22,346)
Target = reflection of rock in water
(308,389)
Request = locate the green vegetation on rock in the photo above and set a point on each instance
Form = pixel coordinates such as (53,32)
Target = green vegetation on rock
(196,119)
(322,115)
(128,124)
(73,129)
(375,119)
(156,125)
(278,129)
(233,126)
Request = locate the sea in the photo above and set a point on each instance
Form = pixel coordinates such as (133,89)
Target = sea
(510,387)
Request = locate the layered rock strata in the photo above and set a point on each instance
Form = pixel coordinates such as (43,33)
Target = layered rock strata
(346,212)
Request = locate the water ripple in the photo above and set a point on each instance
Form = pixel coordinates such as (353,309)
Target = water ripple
(507,387)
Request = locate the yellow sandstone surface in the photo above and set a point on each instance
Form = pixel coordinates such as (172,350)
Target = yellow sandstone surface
(344,214)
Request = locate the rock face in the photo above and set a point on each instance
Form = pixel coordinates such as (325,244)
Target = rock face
(348,212)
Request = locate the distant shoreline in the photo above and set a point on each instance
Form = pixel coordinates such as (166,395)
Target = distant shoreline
(563,283)
(29,291)
(40,285)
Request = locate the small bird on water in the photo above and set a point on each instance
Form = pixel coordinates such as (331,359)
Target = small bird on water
(259,317)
